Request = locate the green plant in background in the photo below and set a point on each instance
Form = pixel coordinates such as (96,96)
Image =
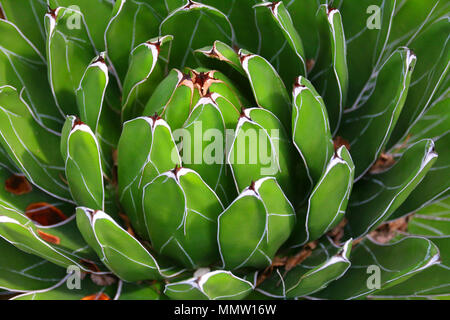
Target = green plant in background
(224,149)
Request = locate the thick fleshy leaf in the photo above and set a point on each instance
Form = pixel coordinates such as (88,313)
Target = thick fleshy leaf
(108,134)
(433,220)
(326,264)
(222,52)
(184,229)
(330,74)
(213,81)
(430,283)
(413,16)
(282,44)
(61,291)
(26,272)
(96,14)
(69,52)
(60,244)
(268,88)
(269,217)
(436,185)
(83,167)
(377,196)
(123,254)
(303,13)
(131,23)
(27,16)
(202,25)
(432,49)
(432,125)
(6,162)
(146,149)
(144,73)
(261,148)
(328,200)
(24,67)
(134,291)
(266,29)
(172,99)
(375,119)
(394,263)
(33,148)
(91,92)
(214,285)
(310,128)
(366,42)
(18,195)
(206,122)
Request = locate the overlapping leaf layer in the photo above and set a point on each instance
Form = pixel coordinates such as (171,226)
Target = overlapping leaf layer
(172,149)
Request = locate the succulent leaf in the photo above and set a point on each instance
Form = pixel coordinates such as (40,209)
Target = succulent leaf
(432,220)
(380,194)
(375,120)
(310,128)
(261,148)
(325,265)
(146,149)
(269,218)
(91,92)
(214,285)
(268,88)
(26,272)
(143,75)
(330,73)
(117,249)
(56,244)
(38,159)
(69,51)
(202,25)
(83,166)
(328,200)
(366,44)
(396,261)
(430,283)
(430,71)
(184,229)
(131,23)
(210,149)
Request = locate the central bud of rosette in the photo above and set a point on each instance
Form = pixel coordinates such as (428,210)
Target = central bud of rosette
(218,140)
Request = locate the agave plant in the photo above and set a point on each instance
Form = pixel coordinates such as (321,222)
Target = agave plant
(175,149)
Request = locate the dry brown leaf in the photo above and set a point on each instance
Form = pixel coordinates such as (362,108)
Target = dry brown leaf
(18,185)
(387,231)
(384,162)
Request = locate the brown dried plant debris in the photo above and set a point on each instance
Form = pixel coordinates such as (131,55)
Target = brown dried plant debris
(90,265)
(310,64)
(339,141)
(287,262)
(98,279)
(44,213)
(387,231)
(384,162)
(126,221)
(49,237)
(337,233)
(103,279)
(18,185)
